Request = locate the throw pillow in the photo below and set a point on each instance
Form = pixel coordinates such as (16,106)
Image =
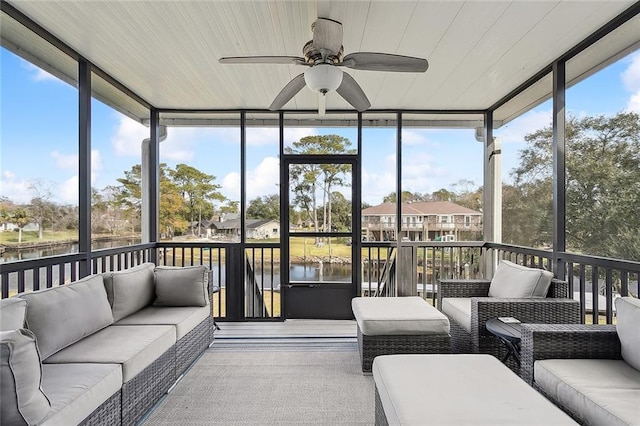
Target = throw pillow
(628,312)
(62,315)
(23,401)
(182,286)
(515,281)
(129,290)
(12,313)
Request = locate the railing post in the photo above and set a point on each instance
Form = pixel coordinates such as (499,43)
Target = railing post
(84,166)
(234,283)
(407,267)
(559,169)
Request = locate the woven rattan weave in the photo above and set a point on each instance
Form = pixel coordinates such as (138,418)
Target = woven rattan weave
(373,346)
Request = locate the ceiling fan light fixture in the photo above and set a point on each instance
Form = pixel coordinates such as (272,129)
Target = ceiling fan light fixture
(323,78)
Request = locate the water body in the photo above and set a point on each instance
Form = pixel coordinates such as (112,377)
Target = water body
(11,255)
(265,278)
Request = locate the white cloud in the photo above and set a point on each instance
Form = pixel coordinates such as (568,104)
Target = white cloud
(414,137)
(68,190)
(420,173)
(128,136)
(261,181)
(65,161)
(515,130)
(634,103)
(70,161)
(38,74)
(14,188)
(96,161)
(178,147)
(631,79)
(294,134)
(231,186)
(631,75)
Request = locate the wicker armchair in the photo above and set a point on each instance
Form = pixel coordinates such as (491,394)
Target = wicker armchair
(566,341)
(581,369)
(556,308)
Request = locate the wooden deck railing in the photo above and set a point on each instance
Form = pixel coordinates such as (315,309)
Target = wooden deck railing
(594,281)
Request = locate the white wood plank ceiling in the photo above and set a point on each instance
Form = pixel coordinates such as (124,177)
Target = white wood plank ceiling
(167,51)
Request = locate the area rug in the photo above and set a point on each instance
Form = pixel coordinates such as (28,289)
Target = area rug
(314,386)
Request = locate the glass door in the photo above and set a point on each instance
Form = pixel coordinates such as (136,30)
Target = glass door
(318,243)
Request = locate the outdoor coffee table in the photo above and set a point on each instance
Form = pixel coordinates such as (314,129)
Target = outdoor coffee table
(508,333)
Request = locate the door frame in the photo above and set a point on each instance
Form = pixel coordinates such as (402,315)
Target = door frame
(303,290)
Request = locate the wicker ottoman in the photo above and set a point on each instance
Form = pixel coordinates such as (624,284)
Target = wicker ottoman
(465,389)
(398,325)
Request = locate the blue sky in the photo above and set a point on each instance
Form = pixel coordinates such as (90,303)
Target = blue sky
(39,140)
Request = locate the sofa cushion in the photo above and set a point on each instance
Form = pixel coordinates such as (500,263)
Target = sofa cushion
(628,313)
(514,281)
(12,313)
(458,389)
(184,319)
(133,346)
(598,391)
(60,316)
(76,390)
(459,310)
(181,286)
(384,316)
(129,290)
(23,401)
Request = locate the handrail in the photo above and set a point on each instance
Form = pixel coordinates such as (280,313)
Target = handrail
(387,273)
(255,302)
(594,280)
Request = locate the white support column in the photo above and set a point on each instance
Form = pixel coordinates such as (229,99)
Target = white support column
(492,192)
(145,176)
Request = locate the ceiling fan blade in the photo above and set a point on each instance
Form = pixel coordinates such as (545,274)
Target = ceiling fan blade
(351,91)
(289,91)
(322,104)
(384,62)
(291,60)
(327,35)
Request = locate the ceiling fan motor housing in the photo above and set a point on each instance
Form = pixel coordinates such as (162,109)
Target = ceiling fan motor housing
(323,78)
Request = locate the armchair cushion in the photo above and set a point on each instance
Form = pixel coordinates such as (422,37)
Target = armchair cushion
(628,310)
(12,313)
(459,310)
(23,401)
(181,286)
(512,280)
(129,290)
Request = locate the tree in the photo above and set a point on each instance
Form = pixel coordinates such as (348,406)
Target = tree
(230,207)
(407,197)
(21,218)
(308,179)
(172,205)
(197,189)
(602,187)
(130,197)
(41,208)
(266,207)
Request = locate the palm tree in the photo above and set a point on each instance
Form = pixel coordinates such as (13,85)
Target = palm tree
(20,218)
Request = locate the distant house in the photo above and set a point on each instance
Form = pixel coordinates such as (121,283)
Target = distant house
(421,221)
(9,226)
(263,229)
(230,228)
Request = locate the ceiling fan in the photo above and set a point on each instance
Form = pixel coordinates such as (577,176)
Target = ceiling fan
(324,55)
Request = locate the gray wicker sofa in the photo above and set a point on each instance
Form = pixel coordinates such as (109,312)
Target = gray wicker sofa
(590,371)
(102,350)
(515,291)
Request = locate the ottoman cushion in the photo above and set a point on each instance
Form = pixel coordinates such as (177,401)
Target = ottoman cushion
(458,390)
(382,316)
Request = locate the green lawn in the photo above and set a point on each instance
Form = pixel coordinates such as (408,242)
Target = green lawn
(11,237)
